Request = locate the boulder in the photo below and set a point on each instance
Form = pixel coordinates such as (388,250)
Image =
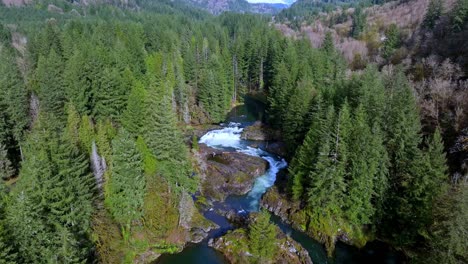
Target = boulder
(234,246)
(290,212)
(54,9)
(260,132)
(228,173)
(277,148)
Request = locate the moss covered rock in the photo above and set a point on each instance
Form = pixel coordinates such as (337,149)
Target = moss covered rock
(228,173)
(235,247)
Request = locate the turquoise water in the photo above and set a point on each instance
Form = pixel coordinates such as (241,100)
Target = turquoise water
(229,139)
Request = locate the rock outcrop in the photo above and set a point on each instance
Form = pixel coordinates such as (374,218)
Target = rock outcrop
(228,173)
(260,132)
(234,247)
(281,206)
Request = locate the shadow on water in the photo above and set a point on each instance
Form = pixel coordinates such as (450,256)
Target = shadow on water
(373,252)
(250,111)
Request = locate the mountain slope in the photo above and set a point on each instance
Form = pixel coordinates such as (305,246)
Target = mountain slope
(239,6)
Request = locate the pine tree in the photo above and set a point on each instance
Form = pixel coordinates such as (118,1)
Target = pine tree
(294,119)
(126,185)
(73,125)
(325,195)
(392,41)
(366,172)
(406,159)
(133,118)
(328,44)
(262,237)
(14,116)
(86,133)
(359,22)
(460,15)
(164,139)
(306,156)
(371,95)
(54,191)
(110,97)
(6,170)
(49,75)
(449,231)
(279,95)
(433,13)
(7,253)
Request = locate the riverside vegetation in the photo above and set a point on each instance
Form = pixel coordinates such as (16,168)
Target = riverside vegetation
(98,102)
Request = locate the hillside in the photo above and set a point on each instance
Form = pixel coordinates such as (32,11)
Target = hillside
(171,131)
(240,6)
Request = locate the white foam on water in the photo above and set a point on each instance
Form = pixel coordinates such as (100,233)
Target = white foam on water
(263,183)
(230,137)
(256,152)
(226,137)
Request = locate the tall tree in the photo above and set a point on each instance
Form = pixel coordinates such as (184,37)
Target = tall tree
(49,75)
(433,13)
(6,170)
(125,189)
(262,237)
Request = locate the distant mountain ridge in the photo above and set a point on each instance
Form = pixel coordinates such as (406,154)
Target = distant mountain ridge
(240,6)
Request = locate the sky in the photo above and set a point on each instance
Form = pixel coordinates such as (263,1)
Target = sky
(272,1)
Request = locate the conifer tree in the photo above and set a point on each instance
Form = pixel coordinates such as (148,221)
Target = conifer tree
(306,155)
(164,139)
(7,253)
(433,13)
(14,116)
(392,41)
(279,95)
(366,174)
(49,75)
(359,22)
(110,97)
(406,170)
(133,118)
(262,237)
(126,185)
(6,169)
(54,192)
(325,195)
(448,233)
(294,119)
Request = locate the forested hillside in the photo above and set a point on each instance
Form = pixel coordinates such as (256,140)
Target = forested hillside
(100,105)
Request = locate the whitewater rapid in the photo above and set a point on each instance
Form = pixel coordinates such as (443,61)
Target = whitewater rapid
(228,138)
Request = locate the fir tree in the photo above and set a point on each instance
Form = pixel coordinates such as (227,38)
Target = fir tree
(325,195)
(126,186)
(392,41)
(49,75)
(262,237)
(306,155)
(293,126)
(406,170)
(359,22)
(164,139)
(433,13)
(6,169)
(279,95)
(133,118)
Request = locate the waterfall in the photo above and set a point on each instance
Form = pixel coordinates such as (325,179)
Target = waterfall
(230,137)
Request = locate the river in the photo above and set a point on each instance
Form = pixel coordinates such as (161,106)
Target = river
(229,139)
